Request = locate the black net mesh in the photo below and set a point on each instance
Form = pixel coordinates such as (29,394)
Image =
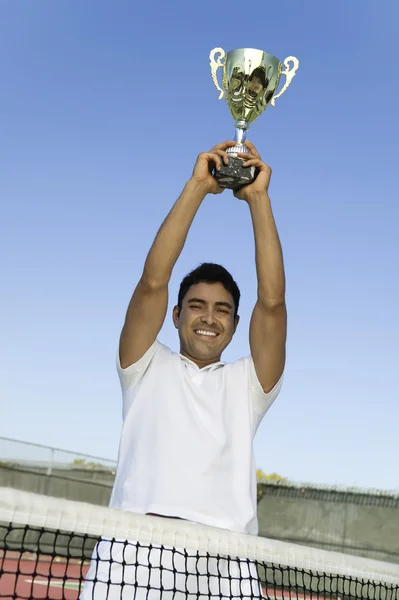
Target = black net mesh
(43,562)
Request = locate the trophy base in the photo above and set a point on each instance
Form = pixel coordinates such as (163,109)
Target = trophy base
(233,176)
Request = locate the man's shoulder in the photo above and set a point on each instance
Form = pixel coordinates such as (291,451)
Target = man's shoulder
(237,368)
(157,353)
(240,363)
(164,356)
(156,362)
(164,350)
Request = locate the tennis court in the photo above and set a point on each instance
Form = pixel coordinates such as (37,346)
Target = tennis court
(27,575)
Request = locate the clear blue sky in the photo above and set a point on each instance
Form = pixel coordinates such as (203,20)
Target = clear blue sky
(104,107)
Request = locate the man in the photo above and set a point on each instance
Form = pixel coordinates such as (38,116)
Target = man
(186,447)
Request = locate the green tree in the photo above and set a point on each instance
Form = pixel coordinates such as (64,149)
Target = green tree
(271,477)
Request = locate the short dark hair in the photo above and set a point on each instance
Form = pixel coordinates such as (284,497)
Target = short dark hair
(210,273)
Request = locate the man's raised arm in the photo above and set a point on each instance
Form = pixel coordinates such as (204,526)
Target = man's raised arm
(268,329)
(147,308)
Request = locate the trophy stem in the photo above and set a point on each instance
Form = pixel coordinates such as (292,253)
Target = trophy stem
(241,128)
(240,136)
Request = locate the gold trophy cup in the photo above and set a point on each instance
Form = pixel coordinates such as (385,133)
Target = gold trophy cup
(249,82)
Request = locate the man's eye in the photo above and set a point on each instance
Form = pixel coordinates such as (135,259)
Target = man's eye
(195,306)
(222,310)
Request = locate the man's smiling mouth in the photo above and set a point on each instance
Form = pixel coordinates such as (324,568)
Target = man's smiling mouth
(206,333)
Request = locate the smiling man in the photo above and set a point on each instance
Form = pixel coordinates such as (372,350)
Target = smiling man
(189,419)
(186,447)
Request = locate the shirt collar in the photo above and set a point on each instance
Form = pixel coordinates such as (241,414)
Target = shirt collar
(208,367)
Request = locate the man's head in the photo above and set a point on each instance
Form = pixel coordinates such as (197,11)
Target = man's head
(206,314)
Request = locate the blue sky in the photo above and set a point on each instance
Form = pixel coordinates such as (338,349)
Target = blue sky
(104,107)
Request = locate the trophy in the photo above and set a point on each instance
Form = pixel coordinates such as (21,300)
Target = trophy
(250,79)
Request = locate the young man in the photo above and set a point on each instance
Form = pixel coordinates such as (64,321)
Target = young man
(189,419)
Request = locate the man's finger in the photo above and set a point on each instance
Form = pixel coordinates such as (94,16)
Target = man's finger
(252,161)
(252,148)
(224,145)
(255,162)
(212,156)
(258,164)
(247,155)
(223,154)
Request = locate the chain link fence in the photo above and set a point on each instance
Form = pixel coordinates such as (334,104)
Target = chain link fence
(48,460)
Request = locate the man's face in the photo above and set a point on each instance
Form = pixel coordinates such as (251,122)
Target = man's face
(206,322)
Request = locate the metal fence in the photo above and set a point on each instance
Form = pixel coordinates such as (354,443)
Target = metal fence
(49,460)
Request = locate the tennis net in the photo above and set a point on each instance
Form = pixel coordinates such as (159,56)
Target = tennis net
(53,548)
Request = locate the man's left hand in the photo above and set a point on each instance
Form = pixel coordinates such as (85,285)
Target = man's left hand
(261,184)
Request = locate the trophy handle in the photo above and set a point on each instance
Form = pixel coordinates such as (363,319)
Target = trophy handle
(289,74)
(215,64)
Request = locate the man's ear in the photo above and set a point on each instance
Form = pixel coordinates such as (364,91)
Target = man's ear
(236,321)
(176,316)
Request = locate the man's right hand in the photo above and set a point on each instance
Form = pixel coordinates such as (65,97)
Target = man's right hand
(207,162)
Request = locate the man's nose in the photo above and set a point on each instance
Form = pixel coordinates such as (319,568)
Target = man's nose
(208,317)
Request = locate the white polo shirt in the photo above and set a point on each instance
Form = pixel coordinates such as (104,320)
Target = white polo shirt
(186,446)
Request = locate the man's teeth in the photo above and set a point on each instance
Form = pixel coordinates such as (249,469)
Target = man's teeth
(203,332)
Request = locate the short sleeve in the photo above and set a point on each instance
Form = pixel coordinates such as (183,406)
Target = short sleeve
(131,375)
(260,402)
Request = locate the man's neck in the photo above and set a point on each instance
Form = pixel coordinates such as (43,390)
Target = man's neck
(200,363)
